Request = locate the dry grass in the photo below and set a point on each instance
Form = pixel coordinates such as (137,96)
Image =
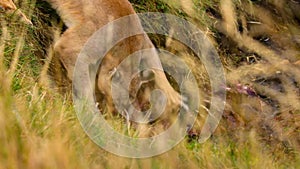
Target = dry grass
(39,128)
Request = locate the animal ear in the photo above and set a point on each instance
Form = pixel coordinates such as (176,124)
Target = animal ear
(147,75)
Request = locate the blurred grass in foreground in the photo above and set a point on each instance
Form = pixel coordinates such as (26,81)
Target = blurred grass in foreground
(39,128)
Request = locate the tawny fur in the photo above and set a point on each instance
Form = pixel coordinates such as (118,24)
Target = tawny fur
(83,18)
(7,5)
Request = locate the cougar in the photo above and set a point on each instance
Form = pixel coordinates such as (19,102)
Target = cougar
(82,19)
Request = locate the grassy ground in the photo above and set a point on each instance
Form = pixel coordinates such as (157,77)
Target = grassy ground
(39,127)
